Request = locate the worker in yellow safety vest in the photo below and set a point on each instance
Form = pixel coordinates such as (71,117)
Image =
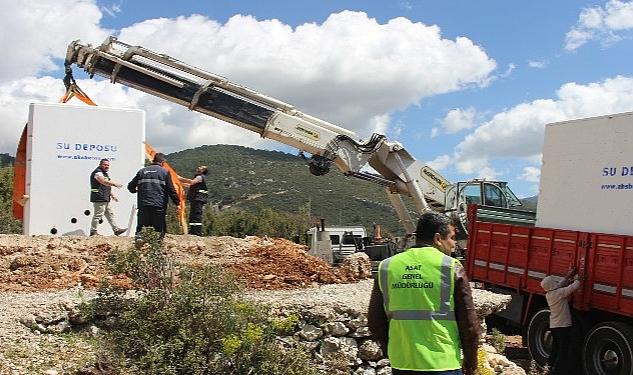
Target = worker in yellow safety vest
(421,308)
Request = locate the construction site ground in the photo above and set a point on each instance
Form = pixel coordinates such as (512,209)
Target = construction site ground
(51,263)
(38,273)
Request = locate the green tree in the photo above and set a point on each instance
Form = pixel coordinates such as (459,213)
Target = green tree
(8,224)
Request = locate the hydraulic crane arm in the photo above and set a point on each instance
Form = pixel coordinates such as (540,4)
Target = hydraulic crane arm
(205,92)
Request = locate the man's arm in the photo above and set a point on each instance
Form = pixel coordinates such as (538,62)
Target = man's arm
(103,181)
(377,318)
(569,277)
(568,290)
(467,321)
(186,181)
(132,185)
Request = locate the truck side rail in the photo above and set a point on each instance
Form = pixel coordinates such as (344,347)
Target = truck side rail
(518,257)
(493,214)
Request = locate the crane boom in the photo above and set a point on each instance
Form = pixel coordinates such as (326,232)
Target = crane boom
(211,94)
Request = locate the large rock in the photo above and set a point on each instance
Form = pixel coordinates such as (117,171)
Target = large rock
(370,351)
(487,303)
(357,265)
(310,332)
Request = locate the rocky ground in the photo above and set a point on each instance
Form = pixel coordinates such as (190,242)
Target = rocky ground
(42,277)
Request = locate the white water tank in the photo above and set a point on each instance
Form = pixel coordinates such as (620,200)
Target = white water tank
(64,145)
(587,175)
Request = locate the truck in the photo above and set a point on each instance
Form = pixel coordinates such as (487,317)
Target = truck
(334,243)
(391,165)
(583,220)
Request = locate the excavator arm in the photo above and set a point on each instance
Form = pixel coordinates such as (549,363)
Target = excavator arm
(204,92)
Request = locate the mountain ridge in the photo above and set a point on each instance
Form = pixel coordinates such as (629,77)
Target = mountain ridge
(246,178)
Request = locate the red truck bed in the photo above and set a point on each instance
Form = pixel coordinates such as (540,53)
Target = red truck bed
(519,257)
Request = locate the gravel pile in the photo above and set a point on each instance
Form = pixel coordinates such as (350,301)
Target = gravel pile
(29,351)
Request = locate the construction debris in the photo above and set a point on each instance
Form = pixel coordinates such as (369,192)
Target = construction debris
(52,263)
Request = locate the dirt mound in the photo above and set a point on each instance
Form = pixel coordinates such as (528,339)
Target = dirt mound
(48,262)
(280,264)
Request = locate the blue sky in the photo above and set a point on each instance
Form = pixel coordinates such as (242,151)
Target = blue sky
(466,86)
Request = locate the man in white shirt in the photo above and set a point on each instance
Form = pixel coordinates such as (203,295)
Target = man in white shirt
(558,294)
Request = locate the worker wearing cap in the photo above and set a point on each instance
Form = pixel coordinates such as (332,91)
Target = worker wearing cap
(557,294)
(197,196)
(421,307)
(154,187)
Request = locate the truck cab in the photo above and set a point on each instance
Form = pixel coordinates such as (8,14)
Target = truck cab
(480,192)
(338,241)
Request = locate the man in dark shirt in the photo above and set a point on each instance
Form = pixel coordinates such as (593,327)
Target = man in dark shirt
(100,195)
(197,196)
(401,310)
(154,186)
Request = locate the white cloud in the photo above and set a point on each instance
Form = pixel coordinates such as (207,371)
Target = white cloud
(458,119)
(349,70)
(166,122)
(508,71)
(531,174)
(112,10)
(488,173)
(602,23)
(379,123)
(406,5)
(537,64)
(34,33)
(14,100)
(440,162)
(517,133)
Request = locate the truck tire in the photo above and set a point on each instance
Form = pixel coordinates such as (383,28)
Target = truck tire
(539,337)
(608,349)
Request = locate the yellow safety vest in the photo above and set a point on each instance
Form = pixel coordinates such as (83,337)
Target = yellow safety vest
(417,287)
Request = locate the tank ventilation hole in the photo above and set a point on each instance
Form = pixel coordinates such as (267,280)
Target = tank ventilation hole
(73,220)
(87,212)
(100,221)
(54,231)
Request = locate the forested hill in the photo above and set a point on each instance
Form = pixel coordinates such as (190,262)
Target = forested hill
(6,160)
(246,178)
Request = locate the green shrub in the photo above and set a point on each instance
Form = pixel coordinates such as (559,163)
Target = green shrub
(285,326)
(147,266)
(498,340)
(195,323)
